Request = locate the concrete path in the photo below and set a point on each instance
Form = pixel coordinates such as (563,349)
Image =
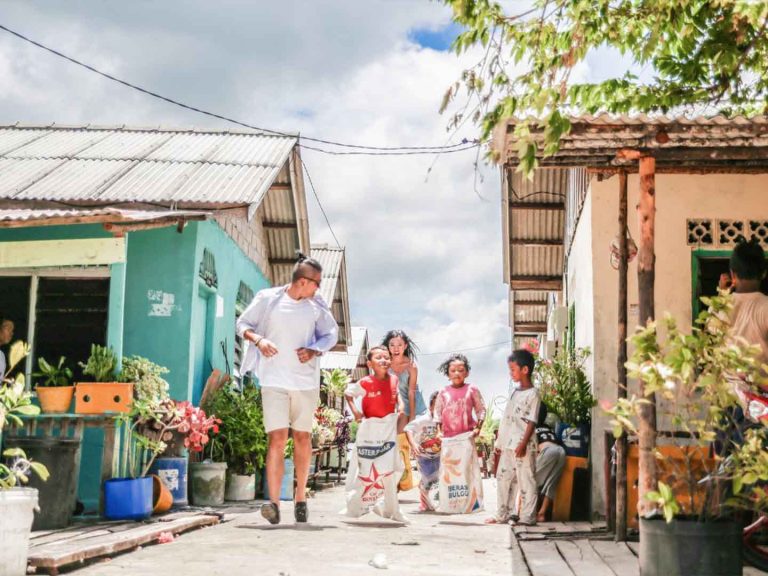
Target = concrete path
(329,544)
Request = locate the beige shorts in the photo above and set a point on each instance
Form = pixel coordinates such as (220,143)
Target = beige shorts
(289,408)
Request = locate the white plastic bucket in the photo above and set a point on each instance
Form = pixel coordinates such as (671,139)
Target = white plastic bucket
(240,487)
(17,510)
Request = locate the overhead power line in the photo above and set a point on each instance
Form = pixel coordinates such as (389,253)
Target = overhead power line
(312,186)
(357,149)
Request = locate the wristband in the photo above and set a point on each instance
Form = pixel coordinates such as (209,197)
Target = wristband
(259,339)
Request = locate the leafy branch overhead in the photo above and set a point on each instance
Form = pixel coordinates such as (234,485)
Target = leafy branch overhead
(707,56)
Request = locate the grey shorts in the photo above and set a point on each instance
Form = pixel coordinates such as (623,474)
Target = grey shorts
(289,408)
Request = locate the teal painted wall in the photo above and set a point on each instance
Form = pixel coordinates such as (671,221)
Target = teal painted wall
(184,334)
(232,267)
(160,276)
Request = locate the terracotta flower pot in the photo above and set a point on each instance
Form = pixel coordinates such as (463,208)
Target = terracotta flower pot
(162,499)
(55,399)
(102,397)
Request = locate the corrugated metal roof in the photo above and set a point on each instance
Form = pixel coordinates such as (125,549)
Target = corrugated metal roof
(334,286)
(677,143)
(349,359)
(139,165)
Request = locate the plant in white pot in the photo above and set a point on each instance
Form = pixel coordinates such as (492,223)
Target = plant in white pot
(17,503)
(696,377)
(54,386)
(242,440)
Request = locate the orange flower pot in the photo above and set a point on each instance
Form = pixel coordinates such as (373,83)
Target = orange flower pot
(162,499)
(102,397)
(55,399)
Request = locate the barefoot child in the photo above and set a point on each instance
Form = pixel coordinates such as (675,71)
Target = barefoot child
(424,440)
(517,442)
(375,467)
(459,412)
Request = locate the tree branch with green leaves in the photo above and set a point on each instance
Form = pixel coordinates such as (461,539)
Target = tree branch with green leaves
(702,56)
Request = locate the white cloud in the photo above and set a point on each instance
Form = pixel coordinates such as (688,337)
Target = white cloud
(424,254)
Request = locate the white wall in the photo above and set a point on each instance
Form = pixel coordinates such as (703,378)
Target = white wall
(678,198)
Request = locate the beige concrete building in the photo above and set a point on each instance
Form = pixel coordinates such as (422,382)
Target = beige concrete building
(711,180)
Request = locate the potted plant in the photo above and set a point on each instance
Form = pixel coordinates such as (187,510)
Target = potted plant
(566,392)
(697,377)
(146,377)
(104,394)
(335,382)
(17,503)
(54,386)
(242,440)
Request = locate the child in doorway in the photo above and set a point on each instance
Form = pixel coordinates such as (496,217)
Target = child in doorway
(459,412)
(375,467)
(517,443)
(424,440)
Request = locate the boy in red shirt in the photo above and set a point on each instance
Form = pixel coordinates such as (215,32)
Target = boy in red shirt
(378,390)
(375,465)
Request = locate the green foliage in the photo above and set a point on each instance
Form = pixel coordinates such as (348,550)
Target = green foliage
(58,375)
(242,441)
(664,498)
(146,377)
(336,381)
(696,378)
(19,469)
(565,389)
(288,452)
(101,364)
(699,54)
(15,401)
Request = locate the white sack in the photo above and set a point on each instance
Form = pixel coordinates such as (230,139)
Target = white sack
(374,470)
(461,483)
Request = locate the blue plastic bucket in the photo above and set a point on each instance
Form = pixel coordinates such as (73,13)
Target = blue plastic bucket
(128,498)
(173,473)
(286,487)
(575,439)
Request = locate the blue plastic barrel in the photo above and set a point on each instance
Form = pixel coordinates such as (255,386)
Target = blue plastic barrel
(173,473)
(286,488)
(128,498)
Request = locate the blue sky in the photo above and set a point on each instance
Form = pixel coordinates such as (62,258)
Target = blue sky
(435,38)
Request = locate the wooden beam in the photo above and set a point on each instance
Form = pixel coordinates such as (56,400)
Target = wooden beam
(283,261)
(530,303)
(536,283)
(620,521)
(537,206)
(536,242)
(280,225)
(280,186)
(646,275)
(532,327)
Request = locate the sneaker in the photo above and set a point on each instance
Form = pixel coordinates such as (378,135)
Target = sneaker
(300,512)
(271,512)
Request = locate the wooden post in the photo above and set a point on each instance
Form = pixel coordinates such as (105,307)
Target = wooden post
(621,370)
(646,264)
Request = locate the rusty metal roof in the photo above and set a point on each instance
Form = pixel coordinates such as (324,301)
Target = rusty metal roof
(334,288)
(23,217)
(95,165)
(679,144)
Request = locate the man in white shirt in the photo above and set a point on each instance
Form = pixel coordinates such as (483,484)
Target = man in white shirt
(6,335)
(288,328)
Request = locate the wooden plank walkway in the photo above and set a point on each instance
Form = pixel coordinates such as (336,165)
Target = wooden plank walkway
(51,550)
(576,549)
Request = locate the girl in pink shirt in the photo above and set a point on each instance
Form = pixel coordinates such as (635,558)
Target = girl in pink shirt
(457,401)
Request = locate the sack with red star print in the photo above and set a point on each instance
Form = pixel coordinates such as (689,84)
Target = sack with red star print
(461,483)
(374,470)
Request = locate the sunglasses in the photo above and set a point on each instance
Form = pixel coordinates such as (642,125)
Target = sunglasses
(317,282)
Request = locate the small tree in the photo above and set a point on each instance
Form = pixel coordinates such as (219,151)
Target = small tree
(701,55)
